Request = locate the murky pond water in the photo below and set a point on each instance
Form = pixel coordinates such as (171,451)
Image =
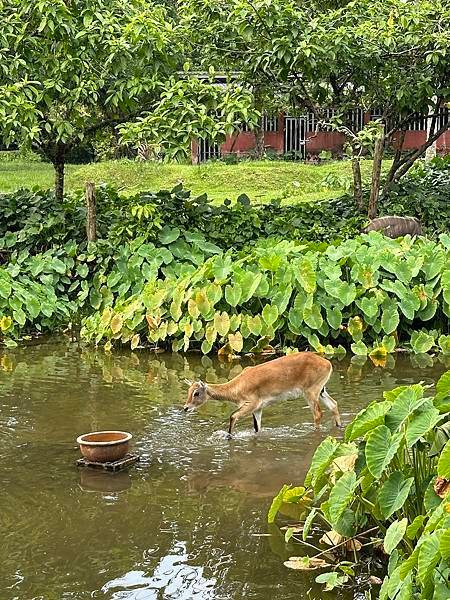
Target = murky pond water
(189,522)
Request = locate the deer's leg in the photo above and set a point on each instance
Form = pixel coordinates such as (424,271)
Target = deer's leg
(257,414)
(331,404)
(242,411)
(312,396)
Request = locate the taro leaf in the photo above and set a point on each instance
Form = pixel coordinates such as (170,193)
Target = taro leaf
(345,292)
(193,308)
(306,275)
(421,341)
(202,302)
(249,282)
(270,262)
(394,535)
(82,270)
(5,288)
(367,419)
(345,526)
(331,580)
(414,528)
(409,304)
(210,334)
(443,384)
(281,299)
(444,545)
(355,328)
(255,325)
(321,460)
(406,402)
(222,323)
(313,317)
(58,265)
(207,247)
(206,347)
(390,318)
(135,340)
(19,317)
(341,495)
(360,349)
(276,504)
(421,424)
(443,467)
(213,293)
(308,522)
(222,267)
(270,314)
(235,340)
(444,343)
(369,306)
(116,324)
(429,556)
(33,307)
(167,235)
(393,493)
(381,447)
(233,294)
(334,318)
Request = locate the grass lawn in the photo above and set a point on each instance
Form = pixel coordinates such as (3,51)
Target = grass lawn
(262,181)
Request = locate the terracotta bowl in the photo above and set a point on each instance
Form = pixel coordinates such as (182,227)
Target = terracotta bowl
(104,446)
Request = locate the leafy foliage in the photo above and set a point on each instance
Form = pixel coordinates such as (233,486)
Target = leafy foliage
(392,481)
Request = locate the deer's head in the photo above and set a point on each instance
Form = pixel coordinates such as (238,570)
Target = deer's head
(196,395)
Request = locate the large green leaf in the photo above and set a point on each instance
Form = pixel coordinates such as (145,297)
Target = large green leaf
(367,419)
(334,317)
(390,319)
(369,306)
(222,323)
(444,544)
(167,235)
(321,460)
(345,292)
(421,341)
(249,282)
(313,317)
(406,402)
(233,294)
(341,495)
(393,493)
(394,535)
(421,424)
(276,503)
(380,449)
(443,384)
(443,467)
(270,314)
(429,556)
(306,275)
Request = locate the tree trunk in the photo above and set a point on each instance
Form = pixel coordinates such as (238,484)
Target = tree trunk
(430,152)
(357,182)
(376,175)
(59,164)
(91,222)
(259,142)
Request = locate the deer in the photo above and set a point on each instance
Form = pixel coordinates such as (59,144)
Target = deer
(289,377)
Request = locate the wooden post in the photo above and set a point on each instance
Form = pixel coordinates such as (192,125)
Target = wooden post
(357,182)
(376,175)
(91,222)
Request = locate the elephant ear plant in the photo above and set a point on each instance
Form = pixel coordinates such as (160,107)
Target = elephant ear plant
(382,491)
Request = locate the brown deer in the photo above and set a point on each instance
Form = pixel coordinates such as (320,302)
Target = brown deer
(394,226)
(302,374)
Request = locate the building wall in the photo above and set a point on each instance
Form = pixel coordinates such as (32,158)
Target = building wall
(244,142)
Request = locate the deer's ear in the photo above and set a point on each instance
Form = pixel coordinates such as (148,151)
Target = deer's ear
(188,382)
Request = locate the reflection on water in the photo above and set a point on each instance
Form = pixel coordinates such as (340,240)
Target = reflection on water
(186,522)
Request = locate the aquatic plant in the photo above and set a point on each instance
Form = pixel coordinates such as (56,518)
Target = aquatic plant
(390,478)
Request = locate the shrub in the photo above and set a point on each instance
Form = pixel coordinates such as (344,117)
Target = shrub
(370,293)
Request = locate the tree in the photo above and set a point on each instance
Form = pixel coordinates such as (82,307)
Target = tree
(371,54)
(70,69)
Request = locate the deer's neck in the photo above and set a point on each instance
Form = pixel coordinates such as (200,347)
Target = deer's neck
(222,391)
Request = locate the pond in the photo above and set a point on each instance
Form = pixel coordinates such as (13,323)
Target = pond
(189,521)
